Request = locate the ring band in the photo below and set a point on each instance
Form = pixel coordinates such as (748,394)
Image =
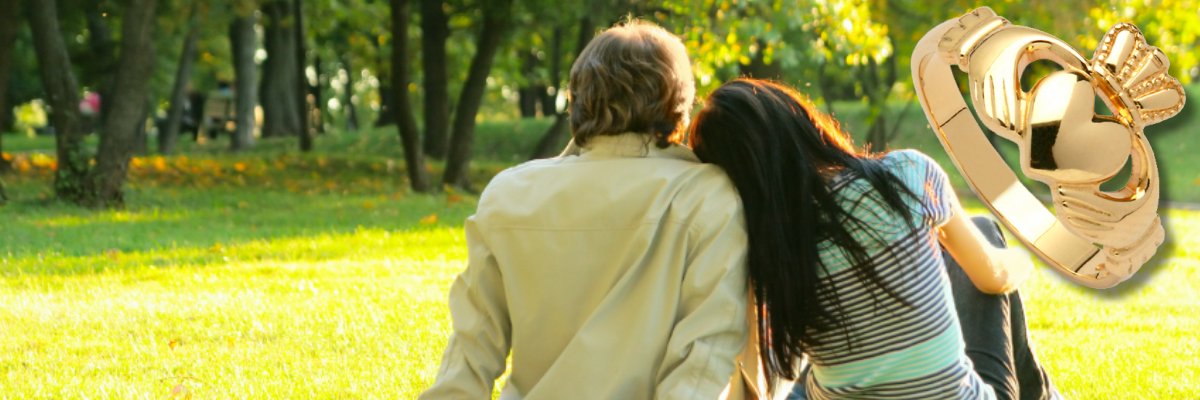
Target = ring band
(1094,237)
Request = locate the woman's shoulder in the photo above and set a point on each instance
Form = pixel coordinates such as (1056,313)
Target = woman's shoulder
(908,158)
(913,166)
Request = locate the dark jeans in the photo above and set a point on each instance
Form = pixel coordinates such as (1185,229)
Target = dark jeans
(995,333)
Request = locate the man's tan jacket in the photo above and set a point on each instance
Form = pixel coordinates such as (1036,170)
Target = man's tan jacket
(617,273)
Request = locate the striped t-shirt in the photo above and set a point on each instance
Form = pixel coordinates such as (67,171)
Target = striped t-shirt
(888,349)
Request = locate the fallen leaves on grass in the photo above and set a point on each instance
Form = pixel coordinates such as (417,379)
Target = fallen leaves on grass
(295,173)
(429,219)
(32,163)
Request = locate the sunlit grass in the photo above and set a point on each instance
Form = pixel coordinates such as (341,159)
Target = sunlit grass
(1135,341)
(338,316)
(226,293)
(338,310)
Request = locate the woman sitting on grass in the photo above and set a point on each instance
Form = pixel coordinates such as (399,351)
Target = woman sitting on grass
(845,266)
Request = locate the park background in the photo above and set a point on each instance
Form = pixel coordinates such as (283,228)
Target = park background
(268,200)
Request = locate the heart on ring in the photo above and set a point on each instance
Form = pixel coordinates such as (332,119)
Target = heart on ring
(1064,140)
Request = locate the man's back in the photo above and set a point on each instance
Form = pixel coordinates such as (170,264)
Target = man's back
(618,273)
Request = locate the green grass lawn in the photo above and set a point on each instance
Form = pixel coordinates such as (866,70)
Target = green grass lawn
(277,275)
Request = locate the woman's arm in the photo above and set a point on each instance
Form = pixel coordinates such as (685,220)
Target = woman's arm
(994,270)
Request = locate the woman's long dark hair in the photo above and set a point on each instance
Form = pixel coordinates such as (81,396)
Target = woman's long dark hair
(779,151)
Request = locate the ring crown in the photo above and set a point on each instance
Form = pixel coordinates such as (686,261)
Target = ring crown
(1138,75)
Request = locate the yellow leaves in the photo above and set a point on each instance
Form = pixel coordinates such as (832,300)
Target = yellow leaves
(216,248)
(159,163)
(22,165)
(368,205)
(33,163)
(429,219)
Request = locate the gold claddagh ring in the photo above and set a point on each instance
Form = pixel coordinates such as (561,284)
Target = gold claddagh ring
(1094,237)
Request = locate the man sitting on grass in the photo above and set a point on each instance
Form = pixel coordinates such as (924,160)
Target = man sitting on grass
(614,273)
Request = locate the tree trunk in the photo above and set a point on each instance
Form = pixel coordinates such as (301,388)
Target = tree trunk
(387,101)
(552,141)
(877,84)
(410,136)
(550,94)
(527,101)
(281,116)
(528,95)
(169,135)
(244,43)
(535,91)
(555,135)
(62,93)
(318,93)
(306,135)
(10,22)
(102,56)
(435,30)
(351,111)
(496,19)
(825,85)
(759,68)
(141,138)
(127,106)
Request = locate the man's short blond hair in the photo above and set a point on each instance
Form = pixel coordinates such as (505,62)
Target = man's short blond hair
(633,77)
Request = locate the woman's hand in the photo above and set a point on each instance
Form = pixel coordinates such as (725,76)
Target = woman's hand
(993,269)
(1017,264)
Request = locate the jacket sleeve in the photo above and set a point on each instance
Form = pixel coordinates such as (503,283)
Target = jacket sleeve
(711,328)
(479,344)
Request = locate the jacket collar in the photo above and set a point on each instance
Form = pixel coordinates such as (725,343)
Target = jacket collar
(627,145)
